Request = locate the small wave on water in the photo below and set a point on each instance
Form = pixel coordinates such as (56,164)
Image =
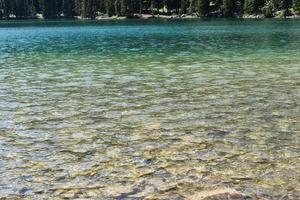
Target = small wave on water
(99,114)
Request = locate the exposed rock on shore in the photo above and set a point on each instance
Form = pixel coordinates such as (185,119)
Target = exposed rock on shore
(165,16)
(245,16)
(149,16)
(293,17)
(112,17)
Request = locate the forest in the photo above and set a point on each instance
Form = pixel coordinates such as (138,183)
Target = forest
(90,9)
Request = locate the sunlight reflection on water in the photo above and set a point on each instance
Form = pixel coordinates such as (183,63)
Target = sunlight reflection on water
(135,111)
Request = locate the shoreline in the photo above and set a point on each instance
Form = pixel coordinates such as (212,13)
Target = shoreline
(157,16)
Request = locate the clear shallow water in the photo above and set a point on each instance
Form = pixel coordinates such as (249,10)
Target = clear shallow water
(157,109)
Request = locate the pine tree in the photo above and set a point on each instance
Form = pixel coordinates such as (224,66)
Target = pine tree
(182,6)
(90,8)
(68,8)
(202,7)
(284,6)
(20,8)
(7,4)
(49,8)
(228,8)
(269,9)
(1,9)
(250,7)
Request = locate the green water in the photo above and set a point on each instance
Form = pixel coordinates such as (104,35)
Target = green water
(149,109)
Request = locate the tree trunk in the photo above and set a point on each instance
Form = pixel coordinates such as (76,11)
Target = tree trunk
(123,8)
(7,9)
(116,8)
(141,6)
(107,7)
(152,7)
(32,9)
(182,7)
(190,9)
(83,9)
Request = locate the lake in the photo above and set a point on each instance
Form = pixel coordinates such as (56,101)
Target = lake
(157,109)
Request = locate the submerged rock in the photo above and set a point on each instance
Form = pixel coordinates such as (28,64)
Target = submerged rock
(220,194)
(218,134)
(24,190)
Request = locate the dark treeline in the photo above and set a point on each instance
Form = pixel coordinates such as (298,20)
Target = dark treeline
(94,8)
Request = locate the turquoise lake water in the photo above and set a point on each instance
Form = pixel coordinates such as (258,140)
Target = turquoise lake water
(149,109)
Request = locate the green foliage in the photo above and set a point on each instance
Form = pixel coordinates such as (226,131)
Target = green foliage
(239,6)
(296,6)
(253,6)
(269,9)
(285,4)
(249,7)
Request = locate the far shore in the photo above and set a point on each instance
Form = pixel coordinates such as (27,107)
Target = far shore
(160,16)
(192,16)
